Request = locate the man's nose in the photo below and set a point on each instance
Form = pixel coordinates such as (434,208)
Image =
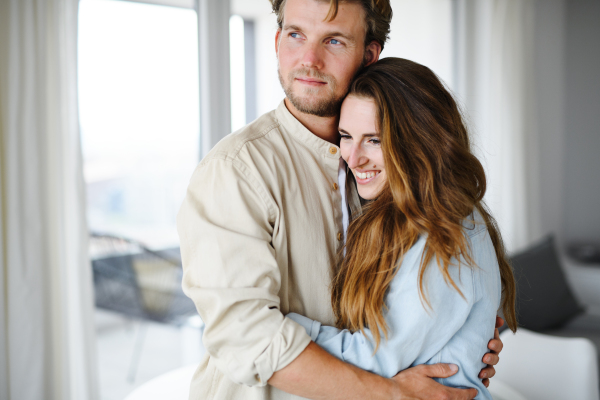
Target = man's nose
(312,56)
(356,157)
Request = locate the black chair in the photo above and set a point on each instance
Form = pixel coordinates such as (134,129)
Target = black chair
(139,283)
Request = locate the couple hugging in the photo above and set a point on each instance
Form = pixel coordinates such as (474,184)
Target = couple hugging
(338,247)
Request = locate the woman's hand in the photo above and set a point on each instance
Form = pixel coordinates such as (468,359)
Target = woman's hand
(492,358)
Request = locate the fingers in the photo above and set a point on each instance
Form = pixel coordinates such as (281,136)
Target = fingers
(495,345)
(499,322)
(439,370)
(487,373)
(491,359)
(462,394)
(472,393)
(486,382)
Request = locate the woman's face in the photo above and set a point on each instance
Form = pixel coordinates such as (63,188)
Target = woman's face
(360,145)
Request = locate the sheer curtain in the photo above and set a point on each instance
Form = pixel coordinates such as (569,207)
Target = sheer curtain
(46,296)
(493,80)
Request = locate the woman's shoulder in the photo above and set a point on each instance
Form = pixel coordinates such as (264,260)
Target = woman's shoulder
(481,247)
(474,224)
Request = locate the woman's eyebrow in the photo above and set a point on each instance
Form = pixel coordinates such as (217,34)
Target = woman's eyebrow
(364,134)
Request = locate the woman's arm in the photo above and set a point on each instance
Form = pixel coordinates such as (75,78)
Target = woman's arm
(411,329)
(415,334)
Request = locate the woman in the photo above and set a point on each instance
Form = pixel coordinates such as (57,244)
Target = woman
(424,262)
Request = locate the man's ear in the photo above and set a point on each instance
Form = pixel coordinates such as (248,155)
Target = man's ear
(277,37)
(372,52)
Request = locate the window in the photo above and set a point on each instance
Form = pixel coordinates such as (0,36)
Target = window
(139,112)
(140,130)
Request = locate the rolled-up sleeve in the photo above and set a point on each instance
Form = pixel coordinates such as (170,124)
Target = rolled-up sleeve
(226,224)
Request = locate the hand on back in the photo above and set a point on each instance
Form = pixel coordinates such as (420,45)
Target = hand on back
(416,383)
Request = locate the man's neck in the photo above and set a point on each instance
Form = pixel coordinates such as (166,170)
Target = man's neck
(324,127)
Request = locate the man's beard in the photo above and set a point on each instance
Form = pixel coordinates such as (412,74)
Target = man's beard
(309,103)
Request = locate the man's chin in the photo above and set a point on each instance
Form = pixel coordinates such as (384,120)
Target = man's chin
(317,107)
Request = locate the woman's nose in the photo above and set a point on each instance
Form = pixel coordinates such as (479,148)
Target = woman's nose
(356,157)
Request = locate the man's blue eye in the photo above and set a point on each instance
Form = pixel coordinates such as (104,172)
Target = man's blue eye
(295,35)
(335,41)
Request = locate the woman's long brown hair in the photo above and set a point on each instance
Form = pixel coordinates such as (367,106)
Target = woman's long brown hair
(434,183)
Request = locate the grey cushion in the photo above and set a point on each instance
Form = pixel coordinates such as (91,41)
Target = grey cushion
(544,299)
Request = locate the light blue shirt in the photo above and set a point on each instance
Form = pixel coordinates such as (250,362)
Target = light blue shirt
(454,330)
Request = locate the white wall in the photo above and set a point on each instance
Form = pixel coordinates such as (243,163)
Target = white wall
(421,31)
(567,82)
(549,66)
(582,121)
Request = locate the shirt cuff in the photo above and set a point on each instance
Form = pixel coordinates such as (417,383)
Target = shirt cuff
(287,344)
(312,327)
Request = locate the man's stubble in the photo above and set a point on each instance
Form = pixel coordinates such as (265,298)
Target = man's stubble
(326,107)
(307,102)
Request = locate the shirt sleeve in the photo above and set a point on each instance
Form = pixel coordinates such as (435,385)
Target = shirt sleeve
(416,333)
(225,224)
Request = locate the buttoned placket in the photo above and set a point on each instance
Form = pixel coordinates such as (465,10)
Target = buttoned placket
(333,163)
(331,160)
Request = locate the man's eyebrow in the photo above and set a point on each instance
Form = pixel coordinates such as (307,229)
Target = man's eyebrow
(291,28)
(363,135)
(340,34)
(328,34)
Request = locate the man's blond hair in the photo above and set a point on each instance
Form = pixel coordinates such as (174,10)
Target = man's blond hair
(378,15)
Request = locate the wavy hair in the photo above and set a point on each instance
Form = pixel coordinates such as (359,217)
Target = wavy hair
(378,16)
(434,182)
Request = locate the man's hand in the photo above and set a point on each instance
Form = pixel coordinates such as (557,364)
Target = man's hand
(417,384)
(492,358)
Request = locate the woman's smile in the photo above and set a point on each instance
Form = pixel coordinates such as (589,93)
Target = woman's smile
(360,145)
(362,178)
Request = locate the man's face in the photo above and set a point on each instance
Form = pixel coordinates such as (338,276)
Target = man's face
(318,59)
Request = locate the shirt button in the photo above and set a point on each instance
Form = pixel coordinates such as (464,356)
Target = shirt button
(335,186)
(339,236)
(333,150)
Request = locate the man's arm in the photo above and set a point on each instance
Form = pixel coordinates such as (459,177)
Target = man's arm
(225,227)
(315,374)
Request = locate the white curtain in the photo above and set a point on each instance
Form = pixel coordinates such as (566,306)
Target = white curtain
(47,342)
(494,67)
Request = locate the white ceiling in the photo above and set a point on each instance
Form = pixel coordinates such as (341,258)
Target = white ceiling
(172,3)
(250,8)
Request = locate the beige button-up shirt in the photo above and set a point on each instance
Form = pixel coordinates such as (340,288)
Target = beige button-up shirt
(260,230)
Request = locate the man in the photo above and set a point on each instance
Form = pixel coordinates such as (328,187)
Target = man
(262,223)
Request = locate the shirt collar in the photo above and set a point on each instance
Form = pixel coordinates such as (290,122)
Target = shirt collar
(303,135)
